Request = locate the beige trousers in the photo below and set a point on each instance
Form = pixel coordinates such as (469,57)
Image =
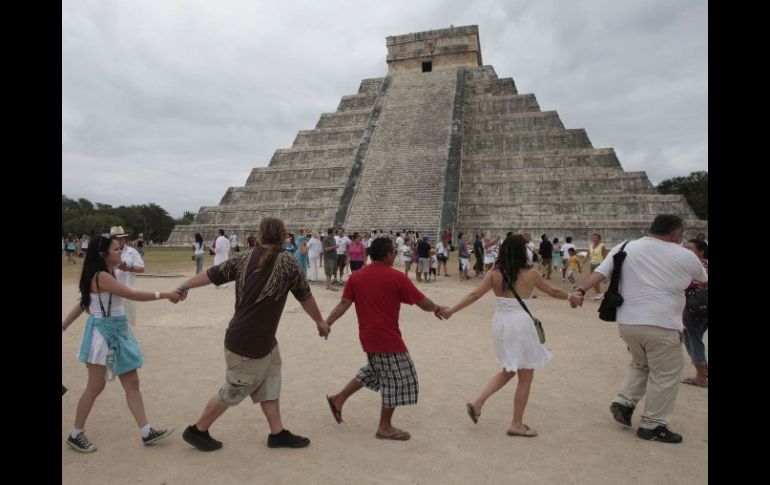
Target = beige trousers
(654,372)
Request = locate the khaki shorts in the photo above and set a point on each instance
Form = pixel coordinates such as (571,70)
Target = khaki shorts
(258,378)
(330,266)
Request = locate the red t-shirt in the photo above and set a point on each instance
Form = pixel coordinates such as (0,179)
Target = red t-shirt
(378,291)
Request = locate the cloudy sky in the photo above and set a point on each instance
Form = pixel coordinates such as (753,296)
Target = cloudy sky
(173,101)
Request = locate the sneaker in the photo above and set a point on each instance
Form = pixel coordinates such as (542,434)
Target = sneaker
(200,439)
(661,433)
(285,439)
(81,443)
(597,296)
(621,413)
(156,435)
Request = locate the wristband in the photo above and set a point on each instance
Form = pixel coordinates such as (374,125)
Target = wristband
(183,288)
(157,295)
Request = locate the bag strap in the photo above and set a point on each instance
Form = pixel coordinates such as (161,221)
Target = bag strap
(520,301)
(99,296)
(617,260)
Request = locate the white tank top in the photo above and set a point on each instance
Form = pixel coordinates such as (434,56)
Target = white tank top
(116,309)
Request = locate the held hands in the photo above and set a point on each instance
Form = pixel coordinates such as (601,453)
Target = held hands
(575,299)
(444,313)
(174,297)
(323,329)
(181,294)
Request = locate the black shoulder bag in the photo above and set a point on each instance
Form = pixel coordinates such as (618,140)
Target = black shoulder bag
(608,309)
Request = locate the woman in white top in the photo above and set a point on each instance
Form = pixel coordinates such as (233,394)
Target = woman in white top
(108,344)
(442,254)
(198,252)
(516,341)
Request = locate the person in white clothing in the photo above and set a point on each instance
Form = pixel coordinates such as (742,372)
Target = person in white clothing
(313,254)
(342,253)
(233,241)
(565,255)
(131,263)
(221,251)
(653,279)
(442,254)
(518,348)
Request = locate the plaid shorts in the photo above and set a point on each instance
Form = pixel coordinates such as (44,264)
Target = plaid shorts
(394,375)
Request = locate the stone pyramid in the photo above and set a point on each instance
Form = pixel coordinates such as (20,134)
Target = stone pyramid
(442,143)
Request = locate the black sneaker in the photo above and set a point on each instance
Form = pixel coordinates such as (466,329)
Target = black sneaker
(285,439)
(156,435)
(621,413)
(81,443)
(661,433)
(200,439)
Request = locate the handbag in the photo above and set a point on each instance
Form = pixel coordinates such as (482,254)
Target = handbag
(608,309)
(697,304)
(193,257)
(538,323)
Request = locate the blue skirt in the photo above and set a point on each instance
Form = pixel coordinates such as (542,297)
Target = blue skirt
(126,355)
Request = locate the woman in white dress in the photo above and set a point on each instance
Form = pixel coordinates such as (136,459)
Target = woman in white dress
(516,342)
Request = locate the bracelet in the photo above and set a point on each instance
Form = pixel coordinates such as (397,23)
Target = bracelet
(157,295)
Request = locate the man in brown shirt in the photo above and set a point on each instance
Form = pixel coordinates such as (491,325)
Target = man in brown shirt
(263,278)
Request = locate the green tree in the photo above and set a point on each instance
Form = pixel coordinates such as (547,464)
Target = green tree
(694,188)
(187,218)
(92,224)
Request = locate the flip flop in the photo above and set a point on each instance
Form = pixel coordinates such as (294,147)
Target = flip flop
(691,381)
(528,432)
(335,412)
(472,413)
(398,435)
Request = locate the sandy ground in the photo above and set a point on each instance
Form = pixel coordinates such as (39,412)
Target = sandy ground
(579,441)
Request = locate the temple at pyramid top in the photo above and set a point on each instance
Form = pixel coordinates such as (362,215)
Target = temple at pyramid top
(434,50)
(442,143)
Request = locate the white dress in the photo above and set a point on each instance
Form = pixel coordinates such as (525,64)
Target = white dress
(515,337)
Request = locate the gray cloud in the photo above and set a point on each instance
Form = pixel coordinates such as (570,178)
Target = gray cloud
(174,101)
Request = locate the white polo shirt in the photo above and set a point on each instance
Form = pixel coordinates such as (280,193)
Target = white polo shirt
(131,257)
(652,281)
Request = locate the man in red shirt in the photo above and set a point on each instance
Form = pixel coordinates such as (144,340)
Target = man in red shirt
(378,291)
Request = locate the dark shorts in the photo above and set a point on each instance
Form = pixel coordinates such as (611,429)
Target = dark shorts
(392,374)
(356,265)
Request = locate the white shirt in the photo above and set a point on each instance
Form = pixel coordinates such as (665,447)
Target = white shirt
(342,244)
(314,247)
(441,249)
(233,240)
(131,257)
(221,249)
(399,243)
(565,251)
(198,247)
(652,281)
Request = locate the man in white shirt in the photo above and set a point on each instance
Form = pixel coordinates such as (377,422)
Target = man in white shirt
(131,263)
(342,252)
(653,278)
(221,251)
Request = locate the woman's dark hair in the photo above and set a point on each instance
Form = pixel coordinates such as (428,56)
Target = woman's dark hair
(271,234)
(93,263)
(700,246)
(199,238)
(512,259)
(380,248)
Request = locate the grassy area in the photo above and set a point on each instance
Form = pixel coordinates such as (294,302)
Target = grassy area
(156,260)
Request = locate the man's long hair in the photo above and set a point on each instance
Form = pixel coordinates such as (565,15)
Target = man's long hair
(271,235)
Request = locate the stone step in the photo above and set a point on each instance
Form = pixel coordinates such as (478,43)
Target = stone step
(485,105)
(484,126)
(492,87)
(591,209)
(273,195)
(502,188)
(545,174)
(353,118)
(322,137)
(554,159)
(357,101)
(509,144)
(309,177)
(371,85)
(318,157)
(616,197)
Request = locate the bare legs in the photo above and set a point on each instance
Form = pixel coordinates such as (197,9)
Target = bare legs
(386,414)
(95,386)
(519,400)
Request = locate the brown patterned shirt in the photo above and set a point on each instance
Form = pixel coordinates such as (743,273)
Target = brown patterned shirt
(260,296)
